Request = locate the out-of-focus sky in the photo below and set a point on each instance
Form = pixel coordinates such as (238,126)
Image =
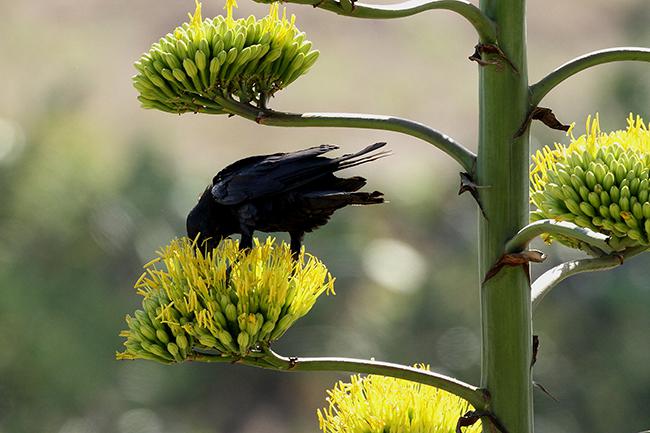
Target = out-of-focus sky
(91,185)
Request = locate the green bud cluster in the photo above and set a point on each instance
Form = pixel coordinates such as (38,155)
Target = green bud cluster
(226,301)
(150,337)
(599,181)
(189,69)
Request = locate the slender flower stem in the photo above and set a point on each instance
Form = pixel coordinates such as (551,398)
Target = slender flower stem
(273,361)
(462,155)
(485,27)
(551,278)
(546,84)
(562,228)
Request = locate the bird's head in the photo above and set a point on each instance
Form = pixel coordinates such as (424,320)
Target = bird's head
(204,223)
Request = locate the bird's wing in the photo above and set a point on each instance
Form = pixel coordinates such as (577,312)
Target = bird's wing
(264,175)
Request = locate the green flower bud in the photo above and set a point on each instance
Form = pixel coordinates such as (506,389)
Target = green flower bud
(625,191)
(576,181)
(175,351)
(615,211)
(608,180)
(590,179)
(573,206)
(604,211)
(200,60)
(594,199)
(624,203)
(182,342)
(582,221)
(637,210)
(243,340)
(162,336)
(231,312)
(171,60)
(190,68)
(635,235)
(620,172)
(569,192)
(207,340)
(282,325)
(605,198)
(587,209)
(620,228)
(634,186)
(600,172)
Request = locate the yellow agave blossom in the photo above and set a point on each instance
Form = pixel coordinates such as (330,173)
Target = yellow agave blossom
(598,181)
(227,301)
(189,69)
(379,404)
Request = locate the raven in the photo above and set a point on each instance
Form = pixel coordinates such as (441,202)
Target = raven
(293,192)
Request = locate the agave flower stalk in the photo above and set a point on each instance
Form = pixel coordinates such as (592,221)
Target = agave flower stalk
(586,196)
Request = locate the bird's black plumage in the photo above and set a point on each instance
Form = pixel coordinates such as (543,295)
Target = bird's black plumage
(293,192)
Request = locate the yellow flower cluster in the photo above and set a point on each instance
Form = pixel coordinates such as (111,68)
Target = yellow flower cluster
(227,301)
(249,59)
(379,404)
(599,181)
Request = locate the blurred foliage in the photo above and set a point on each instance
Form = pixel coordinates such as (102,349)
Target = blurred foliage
(91,185)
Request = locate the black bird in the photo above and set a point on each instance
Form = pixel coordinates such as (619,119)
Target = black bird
(293,192)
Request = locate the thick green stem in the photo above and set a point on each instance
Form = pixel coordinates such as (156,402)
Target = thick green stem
(461,154)
(484,26)
(273,361)
(562,228)
(548,83)
(554,276)
(502,171)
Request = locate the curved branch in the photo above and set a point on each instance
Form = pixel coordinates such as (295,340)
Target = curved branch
(484,26)
(475,396)
(546,84)
(551,278)
(462,155)
(561,228)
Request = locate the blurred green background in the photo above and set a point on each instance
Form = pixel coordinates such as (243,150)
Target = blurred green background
(91,185)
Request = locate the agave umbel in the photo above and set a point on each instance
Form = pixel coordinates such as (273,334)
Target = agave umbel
(598,181)
(227,301)
(250,59)
(379,404)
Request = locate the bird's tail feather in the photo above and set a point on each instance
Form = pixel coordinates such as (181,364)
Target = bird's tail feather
(352,159)
(336,200)
(349,184)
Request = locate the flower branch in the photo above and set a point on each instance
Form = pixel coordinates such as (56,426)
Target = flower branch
(546,84)
(551,278)
(265,116)
(475,396)
(561,228)
(484,26)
